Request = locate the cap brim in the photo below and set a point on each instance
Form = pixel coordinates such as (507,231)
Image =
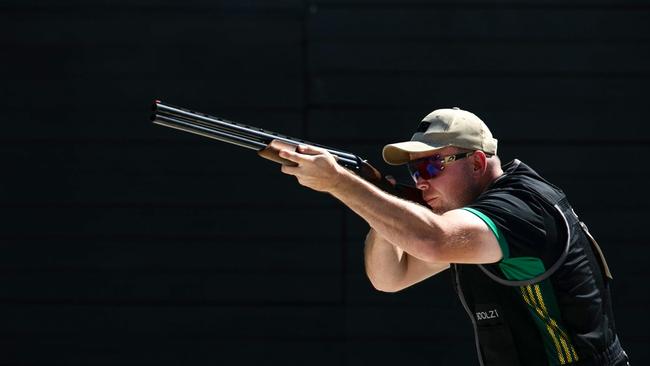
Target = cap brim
(398,153)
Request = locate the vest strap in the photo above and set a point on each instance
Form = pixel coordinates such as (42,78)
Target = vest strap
(595,246)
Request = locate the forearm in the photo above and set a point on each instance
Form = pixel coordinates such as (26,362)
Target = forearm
(407,225)
(391,269)
(385,263)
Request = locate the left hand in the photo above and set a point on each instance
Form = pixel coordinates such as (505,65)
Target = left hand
(317,169)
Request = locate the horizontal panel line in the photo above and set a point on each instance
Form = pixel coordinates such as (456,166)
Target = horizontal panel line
(356,305)
(204,8)
(169,303)
(5,302)
(360,107)
(564,75)
(460,40)
(69,78)
(162,238)
(243,44)
(61,337)
(166,271)
(176,11)
(361,72)
(314,41)
(154,241)
(546,5)
(286,205)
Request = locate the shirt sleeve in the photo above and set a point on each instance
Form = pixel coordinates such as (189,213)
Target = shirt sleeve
(525,225)
(503,244)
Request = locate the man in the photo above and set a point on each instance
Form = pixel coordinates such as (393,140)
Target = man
(531,278)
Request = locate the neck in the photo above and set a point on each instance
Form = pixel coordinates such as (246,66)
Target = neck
(493,172)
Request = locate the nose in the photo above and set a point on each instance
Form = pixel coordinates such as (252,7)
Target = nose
(422,184)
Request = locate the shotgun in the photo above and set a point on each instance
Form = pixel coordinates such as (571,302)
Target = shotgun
(268,144)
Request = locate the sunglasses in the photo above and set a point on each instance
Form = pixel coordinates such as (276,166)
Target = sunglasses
(431,166)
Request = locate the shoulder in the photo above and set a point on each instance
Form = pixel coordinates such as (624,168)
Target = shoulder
(522,211)
(519,196)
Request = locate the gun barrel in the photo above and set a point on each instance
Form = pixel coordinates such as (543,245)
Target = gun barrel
(182,125)
(267,143)
(253,133)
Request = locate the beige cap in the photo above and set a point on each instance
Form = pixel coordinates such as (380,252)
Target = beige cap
(441,128)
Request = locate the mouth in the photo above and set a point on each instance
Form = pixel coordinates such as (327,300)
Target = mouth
(430,201)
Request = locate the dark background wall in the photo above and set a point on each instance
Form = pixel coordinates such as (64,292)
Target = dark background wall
(125,243)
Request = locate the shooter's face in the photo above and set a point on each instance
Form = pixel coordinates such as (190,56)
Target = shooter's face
(454,187)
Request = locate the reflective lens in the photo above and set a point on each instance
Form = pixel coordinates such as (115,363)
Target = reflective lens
(427,167)
(431,166)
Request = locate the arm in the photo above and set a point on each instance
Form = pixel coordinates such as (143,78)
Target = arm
(390,269)
(457,236)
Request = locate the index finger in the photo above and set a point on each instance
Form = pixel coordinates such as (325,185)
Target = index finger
(311,150)
(293,156)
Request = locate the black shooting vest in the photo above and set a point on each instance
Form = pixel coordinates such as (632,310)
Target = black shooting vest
(505,332)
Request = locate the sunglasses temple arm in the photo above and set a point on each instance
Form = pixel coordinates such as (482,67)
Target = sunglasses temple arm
(267,143)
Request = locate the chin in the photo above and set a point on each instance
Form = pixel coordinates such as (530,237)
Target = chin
(443,207)
(438,209)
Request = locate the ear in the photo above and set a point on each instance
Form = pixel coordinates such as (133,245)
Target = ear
(479,162)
